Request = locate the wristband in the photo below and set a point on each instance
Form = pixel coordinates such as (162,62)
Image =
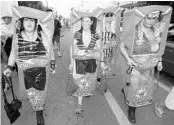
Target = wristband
(53,62)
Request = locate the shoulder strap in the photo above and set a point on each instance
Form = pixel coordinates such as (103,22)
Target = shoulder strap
(3,86)
(158,75)
(9,81)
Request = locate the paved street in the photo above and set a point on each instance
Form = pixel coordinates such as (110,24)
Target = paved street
(98,110)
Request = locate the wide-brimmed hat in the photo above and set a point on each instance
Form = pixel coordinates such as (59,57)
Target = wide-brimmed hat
(44,18)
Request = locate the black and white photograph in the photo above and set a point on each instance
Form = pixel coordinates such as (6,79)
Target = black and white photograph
(87,62)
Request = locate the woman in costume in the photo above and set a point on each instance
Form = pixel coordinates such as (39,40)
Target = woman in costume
(86,42)
(140,82)
(34,55)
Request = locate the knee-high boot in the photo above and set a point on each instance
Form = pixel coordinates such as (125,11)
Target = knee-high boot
(40,117)
(131,114)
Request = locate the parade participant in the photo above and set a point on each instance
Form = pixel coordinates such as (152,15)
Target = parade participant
(167,105)
(110,29)
(56,35)
(84,71)
(7,30)
(141,57)
(33,52)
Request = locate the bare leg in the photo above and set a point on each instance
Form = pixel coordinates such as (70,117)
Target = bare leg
(79,106)
(58,46)
(54,44)
(80,100)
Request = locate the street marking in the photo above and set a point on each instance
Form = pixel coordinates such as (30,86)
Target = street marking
(118,112)
(164,87)
(121,117)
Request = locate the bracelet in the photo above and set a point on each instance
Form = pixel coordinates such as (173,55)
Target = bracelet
(10,67)
(159,61)
(53,62)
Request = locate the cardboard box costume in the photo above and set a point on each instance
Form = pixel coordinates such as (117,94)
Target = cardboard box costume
(86,59)
(145,46)
(110,36)
(33,57)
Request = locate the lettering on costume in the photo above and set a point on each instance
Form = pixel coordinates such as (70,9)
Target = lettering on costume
(24,65)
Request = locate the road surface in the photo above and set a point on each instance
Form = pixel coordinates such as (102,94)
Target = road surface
(109,109)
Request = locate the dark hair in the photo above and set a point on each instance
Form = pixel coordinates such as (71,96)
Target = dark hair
(21,21)
(92,27)
(20,26)
(160,16)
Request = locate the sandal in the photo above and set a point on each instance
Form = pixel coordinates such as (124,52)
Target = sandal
(79,109)
(157,110)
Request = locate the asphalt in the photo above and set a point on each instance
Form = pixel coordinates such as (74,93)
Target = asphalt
(98,110)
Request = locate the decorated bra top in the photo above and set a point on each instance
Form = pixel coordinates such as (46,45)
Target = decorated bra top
(30,49)
(80,44)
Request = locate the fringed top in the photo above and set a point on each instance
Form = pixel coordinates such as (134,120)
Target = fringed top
(80,44)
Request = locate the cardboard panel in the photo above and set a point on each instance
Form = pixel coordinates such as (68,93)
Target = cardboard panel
(145,29)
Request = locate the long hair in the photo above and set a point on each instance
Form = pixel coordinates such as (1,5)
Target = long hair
(92,29)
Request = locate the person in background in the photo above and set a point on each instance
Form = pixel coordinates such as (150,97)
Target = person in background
(6,32)
(56,35)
